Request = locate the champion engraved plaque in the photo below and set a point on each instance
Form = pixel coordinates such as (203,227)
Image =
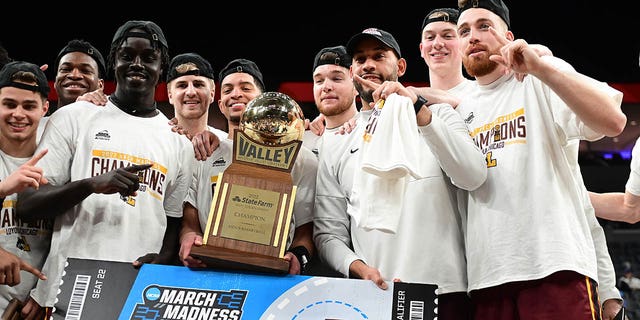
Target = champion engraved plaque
(253,200)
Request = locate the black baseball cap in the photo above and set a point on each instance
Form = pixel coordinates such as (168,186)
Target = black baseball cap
(441,14)
(339,57)
(242,65)
(7,72)
(203,67)
(383,36)
(153,32)
(78,45)
(496,6)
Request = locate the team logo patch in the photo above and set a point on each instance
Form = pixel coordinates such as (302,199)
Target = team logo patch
(22,244)
(103,135)
(469,119)
(220,162)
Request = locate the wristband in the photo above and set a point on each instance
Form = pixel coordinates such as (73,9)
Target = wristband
(420,101)
(303,256)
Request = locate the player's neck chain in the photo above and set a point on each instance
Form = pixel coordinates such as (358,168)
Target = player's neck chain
(133,111)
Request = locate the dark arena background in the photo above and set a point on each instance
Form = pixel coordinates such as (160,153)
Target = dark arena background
(600,39)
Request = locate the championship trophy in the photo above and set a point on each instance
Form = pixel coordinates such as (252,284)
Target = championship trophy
(252,206)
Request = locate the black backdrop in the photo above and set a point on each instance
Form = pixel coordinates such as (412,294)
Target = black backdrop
(600,40)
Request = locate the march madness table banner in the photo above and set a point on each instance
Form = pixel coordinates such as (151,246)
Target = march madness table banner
(93,289)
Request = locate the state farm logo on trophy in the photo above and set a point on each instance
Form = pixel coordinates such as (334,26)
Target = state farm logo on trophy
(252,205)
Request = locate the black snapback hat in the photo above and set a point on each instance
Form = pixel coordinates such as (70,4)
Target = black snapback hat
(332,55)
(177,66)
(441,14)
(383,36)
(153,32)
(11,68)
(496,6)
(245,66)
(78,45)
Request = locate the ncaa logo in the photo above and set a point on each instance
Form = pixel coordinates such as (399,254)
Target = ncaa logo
(152,294)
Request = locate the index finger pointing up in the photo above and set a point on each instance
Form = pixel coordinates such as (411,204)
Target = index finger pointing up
(37,157)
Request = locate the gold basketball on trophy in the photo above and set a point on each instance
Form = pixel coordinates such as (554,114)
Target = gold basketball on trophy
(273,118)
(252,207)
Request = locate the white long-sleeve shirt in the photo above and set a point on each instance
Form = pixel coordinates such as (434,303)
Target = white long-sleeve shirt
(428,246)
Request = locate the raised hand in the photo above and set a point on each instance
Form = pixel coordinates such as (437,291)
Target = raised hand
(389,87)
(367,86)
(516,55)
(27,175)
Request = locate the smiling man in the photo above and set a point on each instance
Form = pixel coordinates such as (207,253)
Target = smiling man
(23,103)
(79,69)
(117,174)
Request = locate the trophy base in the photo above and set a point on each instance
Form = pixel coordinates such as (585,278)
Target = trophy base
(225,258)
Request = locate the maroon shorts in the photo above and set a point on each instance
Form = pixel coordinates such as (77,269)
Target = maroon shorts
(562,295)
(454,306)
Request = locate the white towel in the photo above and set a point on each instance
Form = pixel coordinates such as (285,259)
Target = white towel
(391,149)
(388,156)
